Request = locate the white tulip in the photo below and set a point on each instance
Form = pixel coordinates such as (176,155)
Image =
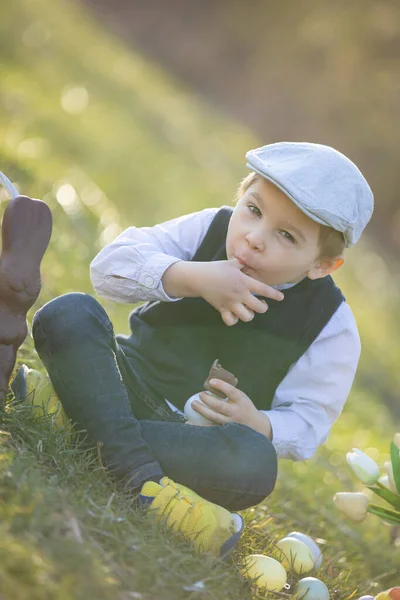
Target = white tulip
(385,481)
(353,504)
(396,440)
(389,470)
(364,467)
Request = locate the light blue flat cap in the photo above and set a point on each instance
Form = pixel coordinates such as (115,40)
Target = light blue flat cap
(321,181)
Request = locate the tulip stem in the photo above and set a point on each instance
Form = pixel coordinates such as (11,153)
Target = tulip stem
(384,513)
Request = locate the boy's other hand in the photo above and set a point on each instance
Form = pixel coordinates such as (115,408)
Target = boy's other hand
(223,285)
(237,409)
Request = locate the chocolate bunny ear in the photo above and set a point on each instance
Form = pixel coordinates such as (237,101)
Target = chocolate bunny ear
(10,187)
(218,372)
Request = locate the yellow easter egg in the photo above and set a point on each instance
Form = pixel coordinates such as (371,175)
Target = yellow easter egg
(295,555)
(383,595)
(59,418)
(267,571)
(41,396)
(308,541)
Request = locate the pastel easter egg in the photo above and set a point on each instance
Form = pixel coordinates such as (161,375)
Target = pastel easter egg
(383,596)
(313,546)
(366,597)
(311,588)
(267,571)
(295,555)
(41,396)
(390,594)
(194,416)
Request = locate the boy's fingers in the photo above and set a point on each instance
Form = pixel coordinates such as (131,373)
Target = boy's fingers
(229,318)
(236,263)
(262,289)
(216,404)
(232,392)
(244,313)
(211,415)
(256,304)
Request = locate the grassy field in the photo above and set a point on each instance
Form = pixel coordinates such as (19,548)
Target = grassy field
(109,140)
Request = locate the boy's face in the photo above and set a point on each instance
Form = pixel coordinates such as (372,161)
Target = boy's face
(276,241)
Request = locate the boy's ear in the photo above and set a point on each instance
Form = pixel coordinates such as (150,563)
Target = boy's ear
(325,267)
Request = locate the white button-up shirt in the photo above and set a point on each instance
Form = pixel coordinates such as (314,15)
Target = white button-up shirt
(312,394)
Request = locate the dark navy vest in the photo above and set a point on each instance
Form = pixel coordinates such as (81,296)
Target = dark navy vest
(173,344)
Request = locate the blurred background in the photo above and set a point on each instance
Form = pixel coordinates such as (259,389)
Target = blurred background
(134,112)
(311,70)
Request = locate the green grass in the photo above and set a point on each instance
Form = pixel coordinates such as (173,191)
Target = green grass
(145,150)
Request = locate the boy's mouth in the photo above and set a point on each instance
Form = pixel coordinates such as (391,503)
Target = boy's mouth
(242,262)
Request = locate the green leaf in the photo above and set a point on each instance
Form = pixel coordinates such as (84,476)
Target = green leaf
(388,515)
(387,495)
(395,457)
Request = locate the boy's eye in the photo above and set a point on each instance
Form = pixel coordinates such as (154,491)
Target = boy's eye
(288,236)
(256,210)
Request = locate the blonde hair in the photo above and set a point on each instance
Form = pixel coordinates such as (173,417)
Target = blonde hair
(331,241)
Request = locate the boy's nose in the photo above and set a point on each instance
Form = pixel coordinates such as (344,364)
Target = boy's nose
(255,241)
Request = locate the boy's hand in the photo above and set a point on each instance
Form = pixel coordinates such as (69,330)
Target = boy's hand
(223,285)
(238,409)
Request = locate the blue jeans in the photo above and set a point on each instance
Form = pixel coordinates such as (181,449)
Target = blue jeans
(100,390)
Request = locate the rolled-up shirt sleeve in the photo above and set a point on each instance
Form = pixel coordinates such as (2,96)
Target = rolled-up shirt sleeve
(312,395)
(130,269)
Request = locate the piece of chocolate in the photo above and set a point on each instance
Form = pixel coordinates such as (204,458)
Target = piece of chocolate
(218,372)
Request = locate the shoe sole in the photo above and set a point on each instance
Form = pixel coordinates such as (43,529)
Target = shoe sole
(18,384)
(228,546)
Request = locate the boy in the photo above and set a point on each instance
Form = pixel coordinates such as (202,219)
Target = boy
(205,277)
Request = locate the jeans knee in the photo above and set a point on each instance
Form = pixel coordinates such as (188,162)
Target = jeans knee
(257,465)
(65,317)
(63,307)
(266,472)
